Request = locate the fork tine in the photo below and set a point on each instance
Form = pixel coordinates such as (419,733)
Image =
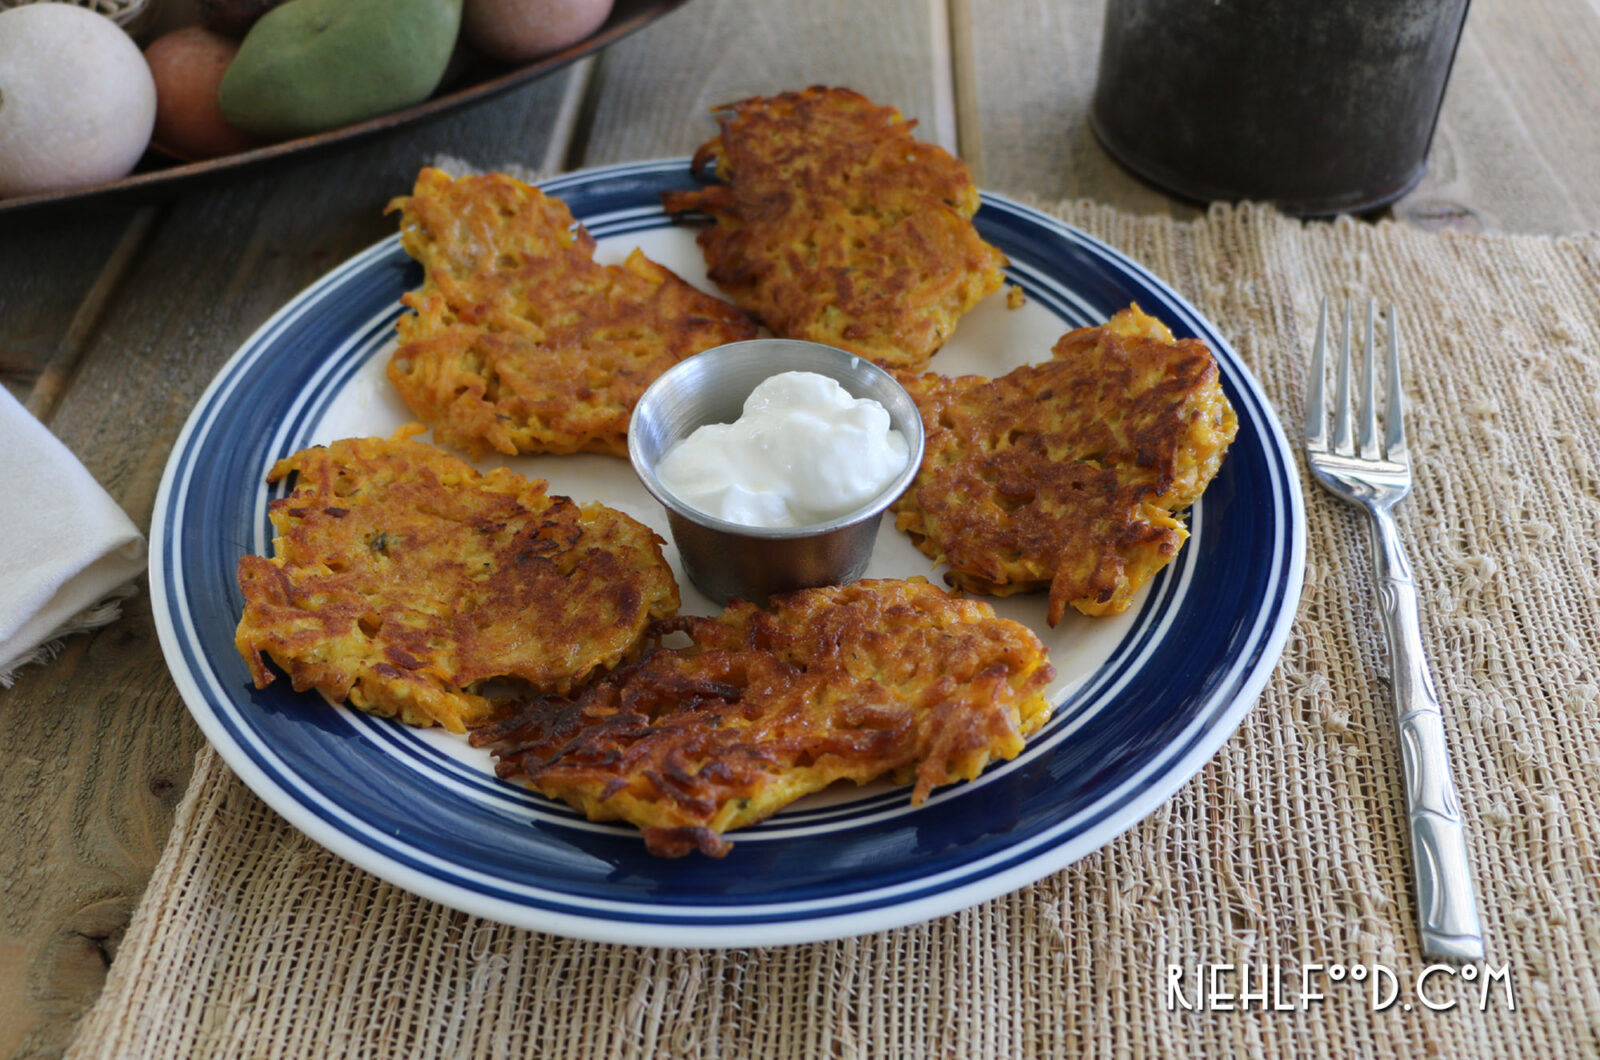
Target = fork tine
(1368,437)
(1316,404)
(1341,412)
(1395,422)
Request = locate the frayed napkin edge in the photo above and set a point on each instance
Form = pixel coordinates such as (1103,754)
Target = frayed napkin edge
(97,615)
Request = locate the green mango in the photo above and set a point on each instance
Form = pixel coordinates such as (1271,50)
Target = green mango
(312,65)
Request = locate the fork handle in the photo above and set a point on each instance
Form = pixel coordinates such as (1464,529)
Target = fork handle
(1446,905)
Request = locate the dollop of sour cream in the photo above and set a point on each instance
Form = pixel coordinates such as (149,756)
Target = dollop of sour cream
(802,452)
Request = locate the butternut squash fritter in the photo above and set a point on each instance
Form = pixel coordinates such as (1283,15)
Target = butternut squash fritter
(521,342)
(834,224)
(1066,474)
(404,582)
(876,678)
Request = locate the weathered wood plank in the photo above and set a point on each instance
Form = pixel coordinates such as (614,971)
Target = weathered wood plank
(44,277)
(97,744)
(654,90)
(1518,144)
(56,374)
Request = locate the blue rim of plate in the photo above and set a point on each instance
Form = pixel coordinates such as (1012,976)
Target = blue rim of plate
(1208,634)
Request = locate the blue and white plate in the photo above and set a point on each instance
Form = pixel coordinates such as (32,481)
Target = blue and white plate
(1144,699)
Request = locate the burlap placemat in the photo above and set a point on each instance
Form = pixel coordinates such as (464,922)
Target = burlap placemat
(1287,851)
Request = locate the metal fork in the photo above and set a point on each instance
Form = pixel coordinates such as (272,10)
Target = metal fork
(1375,477)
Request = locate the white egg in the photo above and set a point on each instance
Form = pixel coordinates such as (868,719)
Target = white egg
(77,101)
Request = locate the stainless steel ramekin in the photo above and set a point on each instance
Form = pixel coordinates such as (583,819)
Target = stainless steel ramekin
(726,559)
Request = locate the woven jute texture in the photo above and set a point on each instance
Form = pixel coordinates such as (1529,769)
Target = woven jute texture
(1288,850)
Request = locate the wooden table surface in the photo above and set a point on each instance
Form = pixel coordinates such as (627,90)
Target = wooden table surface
(112,325)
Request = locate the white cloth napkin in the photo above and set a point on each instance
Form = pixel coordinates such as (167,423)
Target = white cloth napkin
(68,554)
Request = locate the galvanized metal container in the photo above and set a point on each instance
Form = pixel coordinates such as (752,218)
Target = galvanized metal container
(1322,108)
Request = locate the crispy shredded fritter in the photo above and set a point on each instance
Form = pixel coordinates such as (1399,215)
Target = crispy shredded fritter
(521,342)
(404,582)
(875,678)
(1067,473)
(834,224)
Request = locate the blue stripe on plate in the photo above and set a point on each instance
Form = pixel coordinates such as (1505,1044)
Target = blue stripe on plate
(1178,684)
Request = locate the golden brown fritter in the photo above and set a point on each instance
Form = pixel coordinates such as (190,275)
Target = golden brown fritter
(1068,473)
(834,224)
(403,582)
(853,682)
(521,342)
